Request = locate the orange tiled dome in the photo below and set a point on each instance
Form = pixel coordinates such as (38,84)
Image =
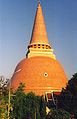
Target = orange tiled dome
(40,74)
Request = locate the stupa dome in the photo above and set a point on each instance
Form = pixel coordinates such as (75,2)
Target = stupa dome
(40,74)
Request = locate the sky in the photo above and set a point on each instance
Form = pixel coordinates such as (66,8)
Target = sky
(16,22)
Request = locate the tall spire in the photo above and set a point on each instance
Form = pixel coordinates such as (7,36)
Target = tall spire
(39,45)
(39,34)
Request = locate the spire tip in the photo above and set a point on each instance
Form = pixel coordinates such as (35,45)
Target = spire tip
(38,1)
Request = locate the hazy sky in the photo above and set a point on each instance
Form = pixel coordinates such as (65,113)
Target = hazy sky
(16,22)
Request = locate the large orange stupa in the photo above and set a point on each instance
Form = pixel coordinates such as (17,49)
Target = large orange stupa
(40,71)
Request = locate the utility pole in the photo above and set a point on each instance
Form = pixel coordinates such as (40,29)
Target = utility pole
(9,102)
(9,95)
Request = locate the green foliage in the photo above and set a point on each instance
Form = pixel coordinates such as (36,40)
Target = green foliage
(20,88)
(26,106)
(43,108)
(72,85)
(58,114)
(3,98)
(17,103)
(3,102)
(68,97)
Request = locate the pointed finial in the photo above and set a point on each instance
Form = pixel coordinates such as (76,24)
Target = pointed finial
(38,1)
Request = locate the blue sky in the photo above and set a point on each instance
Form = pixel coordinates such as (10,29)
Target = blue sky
(16,22)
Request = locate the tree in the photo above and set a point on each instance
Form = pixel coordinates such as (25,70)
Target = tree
(17,103)
(3,97)
(58,114)
(68,97)
(42,108)
(27,106)
(33,104)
